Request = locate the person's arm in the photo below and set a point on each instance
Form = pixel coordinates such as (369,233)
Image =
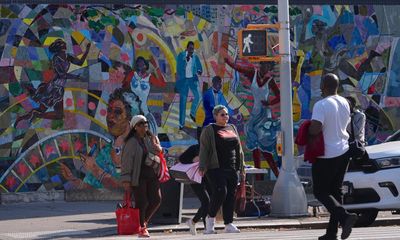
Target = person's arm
(158,80)
(317,120)
(127,157)
(208,107)
(80,61)
(223,101)
(274,87)
(199,69)
(179,65)
(239,153)
(189,154)
(359,131)
(315,128)
(205,143)
(248,71)
(155,143)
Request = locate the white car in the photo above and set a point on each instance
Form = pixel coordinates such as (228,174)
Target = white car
(374,186)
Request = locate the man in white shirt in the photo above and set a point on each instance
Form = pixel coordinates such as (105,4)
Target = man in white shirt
(331,115)
(188,68)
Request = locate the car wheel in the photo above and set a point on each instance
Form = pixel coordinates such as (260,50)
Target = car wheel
(365,217)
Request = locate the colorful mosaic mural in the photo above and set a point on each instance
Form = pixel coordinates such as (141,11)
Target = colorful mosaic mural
(72,75)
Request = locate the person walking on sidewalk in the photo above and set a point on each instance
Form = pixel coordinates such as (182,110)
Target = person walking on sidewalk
(221,159)
(137,175)
(201,190)
(331,115)
(359,120)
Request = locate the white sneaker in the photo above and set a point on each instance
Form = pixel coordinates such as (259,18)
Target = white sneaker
(210,224)
(230,228)
(192,226)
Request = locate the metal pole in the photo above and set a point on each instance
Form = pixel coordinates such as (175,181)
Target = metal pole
(288,197)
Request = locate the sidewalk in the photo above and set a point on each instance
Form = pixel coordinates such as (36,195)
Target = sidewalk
(50,220)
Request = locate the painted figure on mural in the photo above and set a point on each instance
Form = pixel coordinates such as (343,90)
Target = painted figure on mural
(140,85)
(102,167)
(328,48)
(50,95)
(213,97)
(261,129)
(188,68)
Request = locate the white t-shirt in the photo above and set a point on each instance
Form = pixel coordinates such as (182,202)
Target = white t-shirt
(334,114)
(189,67)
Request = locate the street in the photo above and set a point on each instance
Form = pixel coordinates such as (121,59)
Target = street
(96,220)
(389,232)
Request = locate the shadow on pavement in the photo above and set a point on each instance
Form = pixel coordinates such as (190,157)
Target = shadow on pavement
(71,234)
(53,209)
(110,221)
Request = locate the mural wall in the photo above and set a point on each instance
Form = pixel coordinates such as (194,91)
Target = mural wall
(71,76)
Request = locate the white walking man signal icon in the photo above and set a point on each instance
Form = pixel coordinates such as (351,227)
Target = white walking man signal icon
(247,41)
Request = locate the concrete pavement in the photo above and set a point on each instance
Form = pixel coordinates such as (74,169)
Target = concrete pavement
(60,219)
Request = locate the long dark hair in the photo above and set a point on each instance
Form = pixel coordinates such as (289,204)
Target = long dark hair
(132,133)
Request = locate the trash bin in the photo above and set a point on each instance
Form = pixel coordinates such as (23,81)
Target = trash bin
(169,211)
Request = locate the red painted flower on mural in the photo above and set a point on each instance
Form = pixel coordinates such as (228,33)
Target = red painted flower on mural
(48,150)
(80,103)
(34,160)
(78,145)
(64,145)
(22,169)
(11,181)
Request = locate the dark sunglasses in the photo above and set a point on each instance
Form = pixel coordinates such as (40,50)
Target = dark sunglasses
(224,114)
(142,123)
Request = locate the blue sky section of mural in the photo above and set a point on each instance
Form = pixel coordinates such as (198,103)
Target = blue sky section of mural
(60,63)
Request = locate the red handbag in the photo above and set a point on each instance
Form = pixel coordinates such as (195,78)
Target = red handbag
(128,221)
(240,197)
(163,175)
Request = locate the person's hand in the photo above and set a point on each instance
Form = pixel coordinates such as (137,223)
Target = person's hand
(196,159)
(88,46)
(176,90)
(201,173)
(242,175)
(236,111)
(265,103)
(88,162)
(126,186)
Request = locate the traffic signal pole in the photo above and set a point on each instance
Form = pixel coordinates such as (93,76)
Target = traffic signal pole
(288,197)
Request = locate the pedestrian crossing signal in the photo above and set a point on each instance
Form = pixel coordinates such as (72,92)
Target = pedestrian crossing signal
(253,43)
(256,44)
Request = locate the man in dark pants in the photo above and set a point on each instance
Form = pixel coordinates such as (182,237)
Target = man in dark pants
(331,115)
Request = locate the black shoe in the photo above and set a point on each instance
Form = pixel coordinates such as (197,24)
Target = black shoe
(348,224)
(180,127)
(193,118)
(328,237)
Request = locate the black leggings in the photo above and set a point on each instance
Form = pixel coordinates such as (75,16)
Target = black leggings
(223,183)
(147,195)
(202,192)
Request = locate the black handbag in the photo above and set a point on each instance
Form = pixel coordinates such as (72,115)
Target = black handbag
(356,148)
